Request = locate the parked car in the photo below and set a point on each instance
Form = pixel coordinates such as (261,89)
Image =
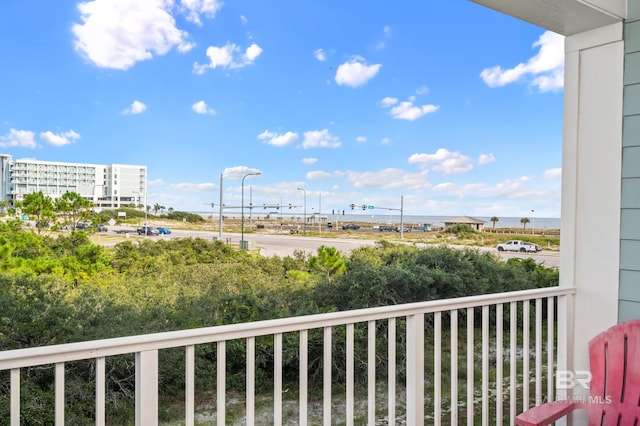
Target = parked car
(403,229)
(538,248)
(83,225)
(386,228)
(517,245)
(162,230)
(350,226)
(148,230)
(101,228)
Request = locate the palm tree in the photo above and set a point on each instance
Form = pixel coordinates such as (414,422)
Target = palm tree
(524,222)
(494,219)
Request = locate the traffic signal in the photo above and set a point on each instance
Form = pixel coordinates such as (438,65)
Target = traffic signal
(364,207)
(353,206)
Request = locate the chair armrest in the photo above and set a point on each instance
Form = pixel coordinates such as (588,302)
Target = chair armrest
(546,414)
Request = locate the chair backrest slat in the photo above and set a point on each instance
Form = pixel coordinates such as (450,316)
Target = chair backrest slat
(615,384)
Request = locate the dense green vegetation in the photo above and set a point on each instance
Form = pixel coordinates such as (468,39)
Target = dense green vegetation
(66,289)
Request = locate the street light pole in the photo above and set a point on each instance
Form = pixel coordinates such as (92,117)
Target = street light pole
(242,245)
(319,212)
(533,224)
(146,209)
(305,209)
(220,211)
(136,204)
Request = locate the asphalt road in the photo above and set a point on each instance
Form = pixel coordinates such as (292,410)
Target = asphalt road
(286,245)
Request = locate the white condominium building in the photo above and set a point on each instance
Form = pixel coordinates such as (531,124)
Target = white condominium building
(108,186)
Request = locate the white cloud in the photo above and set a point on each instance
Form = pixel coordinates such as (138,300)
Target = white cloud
(486,158)
(324,175)
(197,187)
(155,182)
(228,56)
(237,172)
(251,54)
(388,102)
(136,107)
(546,68)
(356,72)
(194,8)
(407,110)
(244,19)
(118,33)
(385,141)
(320,139)
(278,140)
(422,90)
(320,55)
(553,173)
(445,161)
(201,107)
(508,189)
(387,31)
(309,160)
(389,178)
(361,139)
(59,139)
(18,139)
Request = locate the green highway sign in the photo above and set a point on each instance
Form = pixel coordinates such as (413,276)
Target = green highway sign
(370,207)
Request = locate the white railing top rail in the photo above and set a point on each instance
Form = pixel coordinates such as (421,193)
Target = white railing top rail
(19,358)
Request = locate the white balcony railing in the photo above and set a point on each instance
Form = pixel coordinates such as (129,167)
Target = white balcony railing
(485,360)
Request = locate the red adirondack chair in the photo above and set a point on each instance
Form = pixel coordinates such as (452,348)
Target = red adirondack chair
(614,357)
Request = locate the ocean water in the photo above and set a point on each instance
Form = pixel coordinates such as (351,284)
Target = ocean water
(504,222)
(392,219)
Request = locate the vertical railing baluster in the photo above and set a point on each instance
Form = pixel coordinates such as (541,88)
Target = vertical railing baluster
(350,373)
(190,385)
(59,394)
(277,379)
(250,397)
(221,386)
(391,372)
(15,396)
(470,366)
(538,390)
(485,365)
(437,367)
(147,388)
(499,362)
(550,348)
(326,377)
(371,372)
(415,369)
(100,391)
(454,367)
(513,370)
(303,372)
(525,354)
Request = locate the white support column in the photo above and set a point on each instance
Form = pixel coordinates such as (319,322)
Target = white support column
(591,182)
(591,179)
(147,388)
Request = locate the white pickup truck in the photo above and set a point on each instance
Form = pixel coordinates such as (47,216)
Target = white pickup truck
(518,245)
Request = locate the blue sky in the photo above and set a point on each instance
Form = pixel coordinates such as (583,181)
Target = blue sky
(453,106)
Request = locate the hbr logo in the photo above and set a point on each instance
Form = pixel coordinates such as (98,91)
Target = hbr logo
(569,379)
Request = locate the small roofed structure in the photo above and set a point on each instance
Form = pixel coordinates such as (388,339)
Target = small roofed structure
(476,224)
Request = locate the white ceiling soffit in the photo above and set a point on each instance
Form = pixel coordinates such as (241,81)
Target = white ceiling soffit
(565,17)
